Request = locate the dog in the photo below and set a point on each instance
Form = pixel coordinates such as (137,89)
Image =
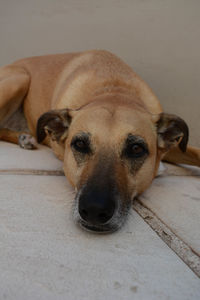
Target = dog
(101,119)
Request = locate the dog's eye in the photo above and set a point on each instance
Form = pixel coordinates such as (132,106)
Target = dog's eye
(135,150)
(81,145)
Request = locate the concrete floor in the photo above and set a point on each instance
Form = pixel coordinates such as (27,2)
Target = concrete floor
(44,255)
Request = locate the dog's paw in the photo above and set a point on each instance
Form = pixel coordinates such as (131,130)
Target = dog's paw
(27,141)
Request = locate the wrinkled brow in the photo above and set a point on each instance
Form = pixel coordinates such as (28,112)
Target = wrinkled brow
(85,136)
(134,139)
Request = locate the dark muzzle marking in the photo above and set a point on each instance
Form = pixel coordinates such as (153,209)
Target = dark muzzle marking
(102,205)
(99,197)
(97,204)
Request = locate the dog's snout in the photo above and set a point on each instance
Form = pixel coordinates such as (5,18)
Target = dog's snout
(98,199)
(97,214)
(96,209)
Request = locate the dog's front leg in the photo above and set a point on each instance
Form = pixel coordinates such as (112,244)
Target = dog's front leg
(190,157)
(14,84)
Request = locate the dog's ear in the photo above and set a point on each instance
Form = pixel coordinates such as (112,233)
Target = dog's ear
(54,123)
(172,131)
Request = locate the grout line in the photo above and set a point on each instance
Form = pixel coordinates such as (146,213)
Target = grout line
(32,172)
(179,175)
(185,252)
(61,173)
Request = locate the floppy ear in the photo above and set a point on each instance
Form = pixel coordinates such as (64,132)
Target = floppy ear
(54,123)
(172,131)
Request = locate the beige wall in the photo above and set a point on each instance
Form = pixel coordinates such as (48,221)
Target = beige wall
(159,39)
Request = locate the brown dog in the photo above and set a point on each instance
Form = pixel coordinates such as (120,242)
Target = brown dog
(102,120)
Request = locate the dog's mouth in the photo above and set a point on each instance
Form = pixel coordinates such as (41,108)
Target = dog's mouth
(100,208)
(114,224)
(104,228)
(97,229)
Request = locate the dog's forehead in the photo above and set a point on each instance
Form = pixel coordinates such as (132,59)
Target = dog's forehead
(111,115)
(135,123)
(108,122)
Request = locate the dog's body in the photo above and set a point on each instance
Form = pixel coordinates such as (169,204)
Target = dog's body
(94,111)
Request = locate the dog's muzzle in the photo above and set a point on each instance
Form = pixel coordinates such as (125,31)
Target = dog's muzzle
(99,209)
(96,208)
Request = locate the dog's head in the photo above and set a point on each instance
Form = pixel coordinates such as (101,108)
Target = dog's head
(112,153)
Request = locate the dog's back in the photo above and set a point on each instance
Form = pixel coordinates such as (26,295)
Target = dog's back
(73,79)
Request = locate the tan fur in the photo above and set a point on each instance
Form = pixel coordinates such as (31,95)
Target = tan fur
(8,135)
(105,97)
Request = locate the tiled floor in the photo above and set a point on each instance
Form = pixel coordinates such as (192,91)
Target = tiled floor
(44,255)
(176,201)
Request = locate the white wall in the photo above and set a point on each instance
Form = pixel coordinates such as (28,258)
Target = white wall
(159,39)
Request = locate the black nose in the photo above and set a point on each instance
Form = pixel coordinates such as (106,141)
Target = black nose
(96,208)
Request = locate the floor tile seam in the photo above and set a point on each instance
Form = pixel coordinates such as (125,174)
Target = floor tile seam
(27,171)
(31,172)
(178,175)
(174,242)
